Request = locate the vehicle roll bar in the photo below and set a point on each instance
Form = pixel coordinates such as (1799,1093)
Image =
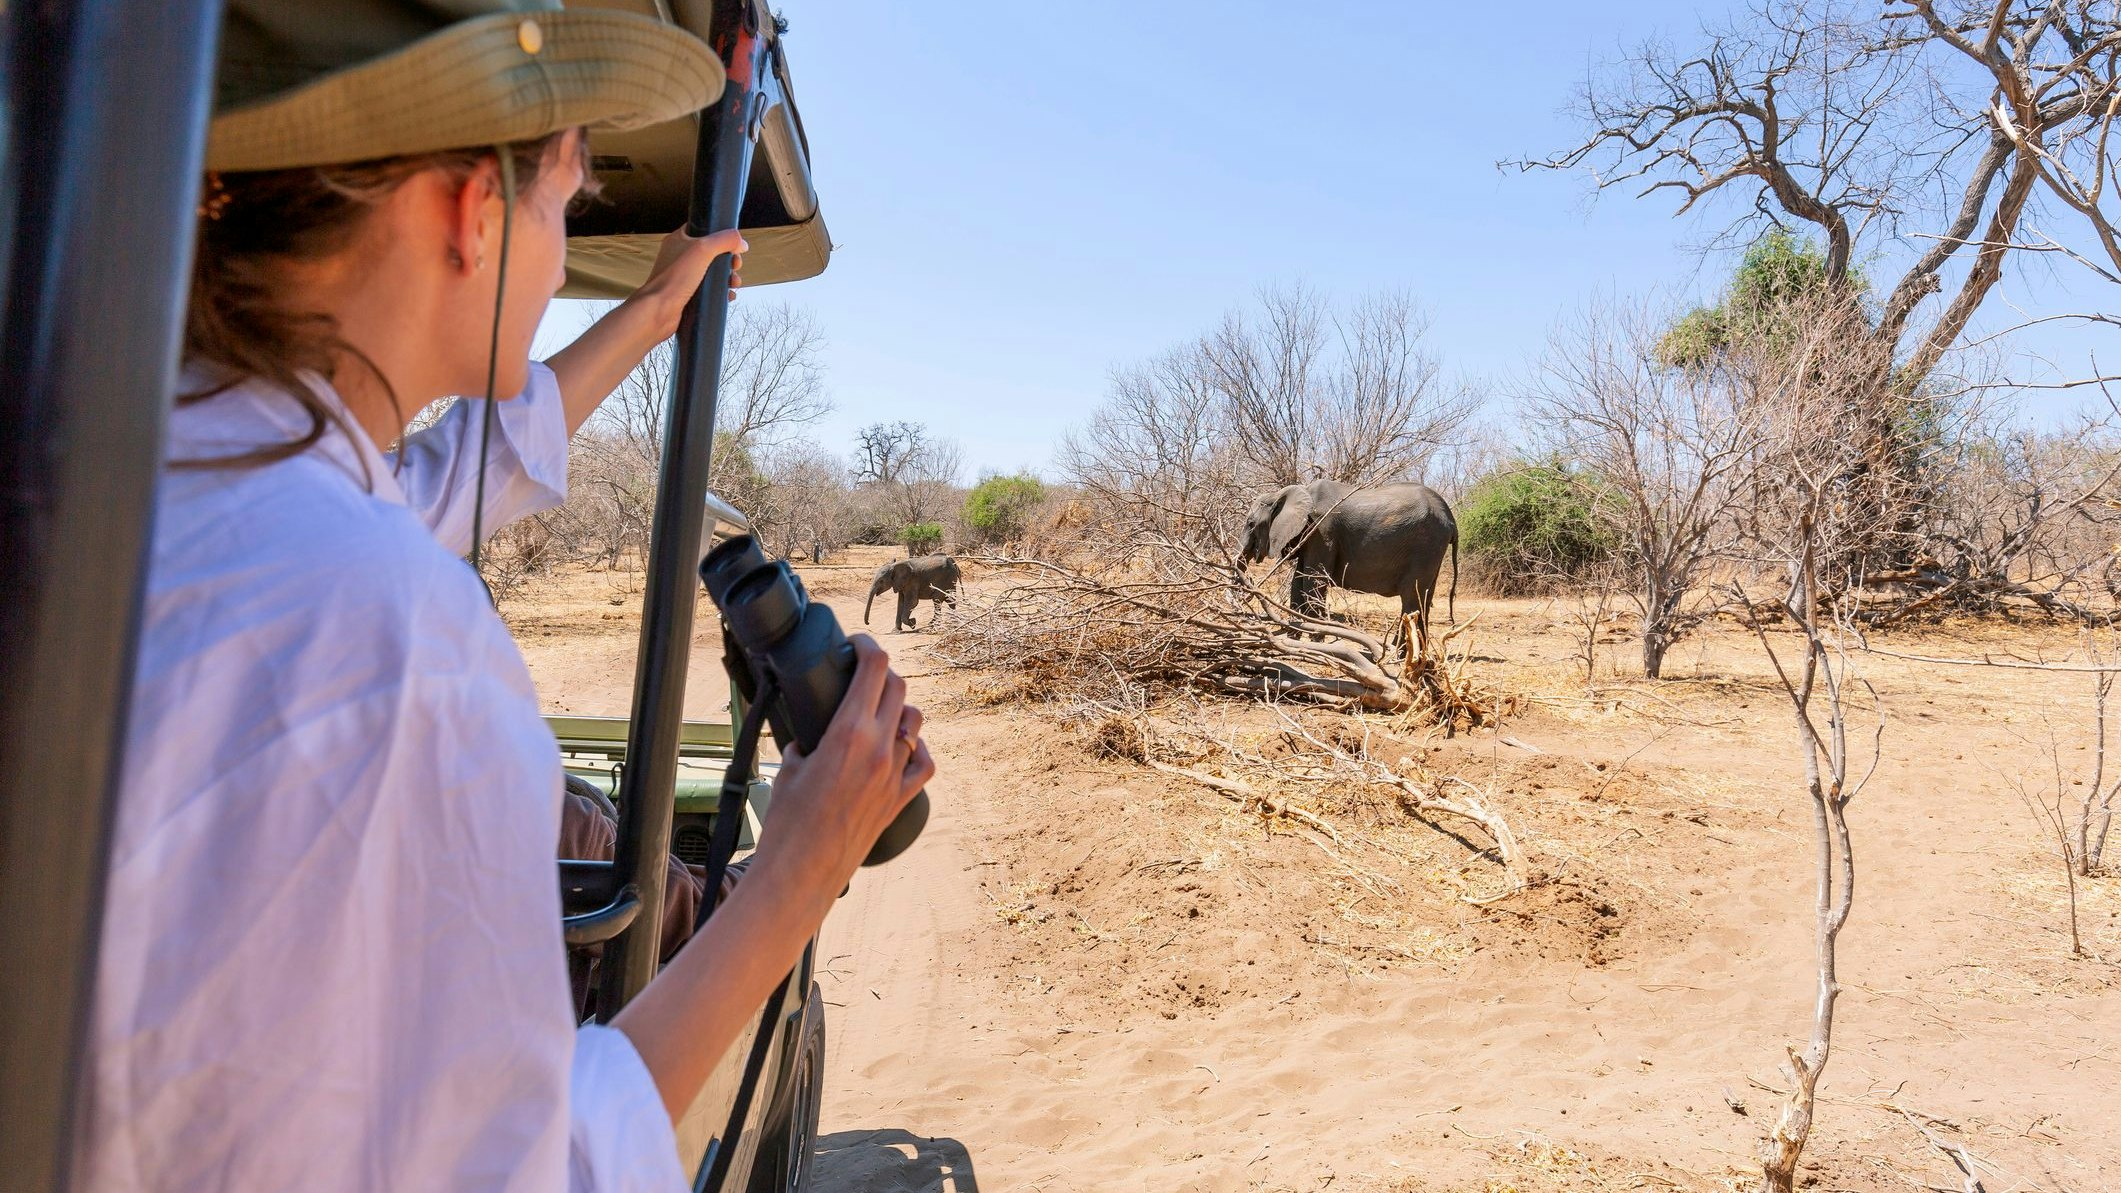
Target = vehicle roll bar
(741,34)
(596,927)
(103,111)
(721,514)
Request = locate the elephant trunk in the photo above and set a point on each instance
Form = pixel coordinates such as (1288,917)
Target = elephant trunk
(871,602)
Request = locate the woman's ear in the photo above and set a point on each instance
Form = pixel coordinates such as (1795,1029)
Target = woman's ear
(475,215)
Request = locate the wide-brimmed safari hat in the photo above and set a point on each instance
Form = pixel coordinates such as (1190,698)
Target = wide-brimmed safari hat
(316,82)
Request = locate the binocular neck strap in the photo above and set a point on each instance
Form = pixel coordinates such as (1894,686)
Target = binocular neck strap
(728,815)
(736,794)
(507,161)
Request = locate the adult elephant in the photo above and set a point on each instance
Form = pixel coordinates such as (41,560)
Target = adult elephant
(1386,539)
(929,578)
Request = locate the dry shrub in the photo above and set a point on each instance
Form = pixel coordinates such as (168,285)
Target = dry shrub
(998,689)
(1104,623)
(1120,737)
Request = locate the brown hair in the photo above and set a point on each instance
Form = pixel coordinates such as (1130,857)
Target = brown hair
(252,226)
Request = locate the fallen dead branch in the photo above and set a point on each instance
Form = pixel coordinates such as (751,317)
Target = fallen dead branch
(1968,1166)
(1321,766)
(1423,794)
(1248,796)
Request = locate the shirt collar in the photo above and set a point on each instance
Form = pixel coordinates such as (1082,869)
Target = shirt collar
(254,413)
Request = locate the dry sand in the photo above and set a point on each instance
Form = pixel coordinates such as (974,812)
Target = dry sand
(1089,975)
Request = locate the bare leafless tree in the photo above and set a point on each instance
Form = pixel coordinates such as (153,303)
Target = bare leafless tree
(2018,518)
(908,473)
(1268,371)
(2053,75)
(1666,454)
(803,506)
(1861,124)
(931,491)
(632,417)
(1289,391)
(1589,597)
(2076,824)
(1911,140)
(2085,834)
(772,386)
(1826,696)
(1386,410)
(1800,521)
(773,376)
(1156,452)
(2082,831)
(884,451)
(1308,393)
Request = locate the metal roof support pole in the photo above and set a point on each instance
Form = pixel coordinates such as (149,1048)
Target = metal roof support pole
(647,789)
(96,212)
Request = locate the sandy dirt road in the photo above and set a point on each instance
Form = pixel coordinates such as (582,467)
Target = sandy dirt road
(1089,976)
(893,976)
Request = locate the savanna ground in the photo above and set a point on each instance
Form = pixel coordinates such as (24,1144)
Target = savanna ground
(1091,974)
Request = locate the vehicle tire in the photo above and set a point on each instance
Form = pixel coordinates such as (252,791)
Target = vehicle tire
(784,1154)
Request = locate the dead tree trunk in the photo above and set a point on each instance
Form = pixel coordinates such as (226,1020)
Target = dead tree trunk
(1819,692)
(2096,818)
(1656,627)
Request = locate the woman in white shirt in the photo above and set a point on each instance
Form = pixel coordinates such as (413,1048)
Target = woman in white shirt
(331,956)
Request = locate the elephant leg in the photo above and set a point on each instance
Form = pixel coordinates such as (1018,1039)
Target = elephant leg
(907,601)
(1307,596)
(1420,599)
(1299,593)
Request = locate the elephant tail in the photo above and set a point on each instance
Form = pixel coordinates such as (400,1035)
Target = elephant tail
(1454,576)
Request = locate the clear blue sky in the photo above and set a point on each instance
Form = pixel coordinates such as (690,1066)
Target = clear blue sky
(1022,199)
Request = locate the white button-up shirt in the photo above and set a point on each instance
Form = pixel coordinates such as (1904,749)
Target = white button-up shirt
(331,954)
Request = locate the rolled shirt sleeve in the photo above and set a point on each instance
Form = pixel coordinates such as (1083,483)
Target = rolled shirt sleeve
(620,1136)
(526,466)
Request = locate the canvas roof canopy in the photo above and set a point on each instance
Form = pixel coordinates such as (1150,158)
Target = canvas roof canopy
(646,176)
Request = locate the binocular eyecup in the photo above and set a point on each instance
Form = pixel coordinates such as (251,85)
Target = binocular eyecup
(769,620)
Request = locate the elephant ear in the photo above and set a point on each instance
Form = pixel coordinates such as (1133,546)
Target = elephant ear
(1292,518)
(902,571)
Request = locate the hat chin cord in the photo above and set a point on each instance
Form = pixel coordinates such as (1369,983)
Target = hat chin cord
(493,361)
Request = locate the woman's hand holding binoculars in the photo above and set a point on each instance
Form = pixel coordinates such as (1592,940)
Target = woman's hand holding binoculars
(830,806)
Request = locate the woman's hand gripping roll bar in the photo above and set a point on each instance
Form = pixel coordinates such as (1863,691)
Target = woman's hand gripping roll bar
(829,807)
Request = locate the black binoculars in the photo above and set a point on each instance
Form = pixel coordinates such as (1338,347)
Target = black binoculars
(770,621)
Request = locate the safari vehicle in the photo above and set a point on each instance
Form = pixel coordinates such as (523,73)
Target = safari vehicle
(96,209)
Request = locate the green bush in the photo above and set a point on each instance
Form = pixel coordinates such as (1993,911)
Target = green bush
(999,508)
(1763,305)
(1527,528)
(922,538)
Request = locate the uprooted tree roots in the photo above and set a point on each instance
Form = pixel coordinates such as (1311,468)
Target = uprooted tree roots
(1168,616)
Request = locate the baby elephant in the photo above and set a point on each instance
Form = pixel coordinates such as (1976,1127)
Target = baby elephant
(929,578)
